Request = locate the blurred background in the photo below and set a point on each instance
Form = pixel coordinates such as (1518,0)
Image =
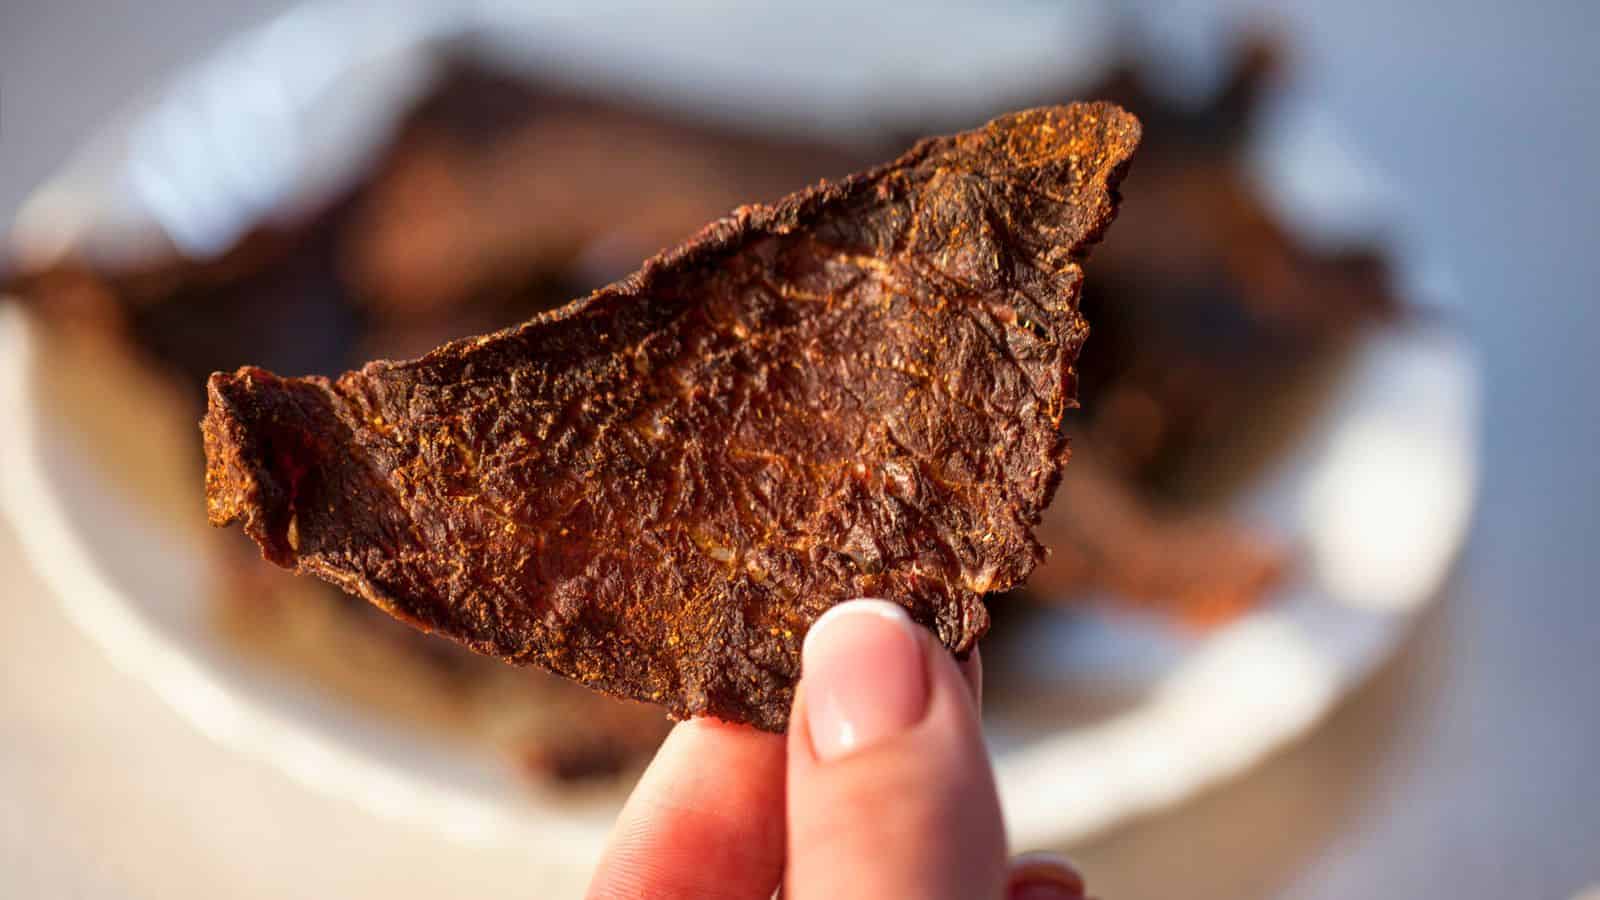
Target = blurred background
(510,171)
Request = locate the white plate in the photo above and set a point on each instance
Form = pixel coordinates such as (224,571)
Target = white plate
(1378,492)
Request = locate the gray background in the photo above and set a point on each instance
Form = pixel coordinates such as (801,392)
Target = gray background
(1469,768)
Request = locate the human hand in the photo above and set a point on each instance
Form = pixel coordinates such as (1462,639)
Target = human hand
(889,788)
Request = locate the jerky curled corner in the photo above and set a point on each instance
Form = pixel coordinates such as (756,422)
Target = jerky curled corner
(856,391)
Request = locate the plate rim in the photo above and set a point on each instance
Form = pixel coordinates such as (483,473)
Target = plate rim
(102,609)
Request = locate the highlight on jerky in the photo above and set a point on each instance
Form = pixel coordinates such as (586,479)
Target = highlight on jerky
(655,490)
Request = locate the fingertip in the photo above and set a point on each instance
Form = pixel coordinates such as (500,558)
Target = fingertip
(706,819)
(869,673)
(912,812)
(704,728)
(863,664)
(1044,876)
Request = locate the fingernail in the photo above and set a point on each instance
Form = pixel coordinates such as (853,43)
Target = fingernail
(1043,876)
(862,668)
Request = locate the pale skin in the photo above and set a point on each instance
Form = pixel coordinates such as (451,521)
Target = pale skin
(881,788)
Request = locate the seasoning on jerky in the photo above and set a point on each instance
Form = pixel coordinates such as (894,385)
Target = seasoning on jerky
(655,490)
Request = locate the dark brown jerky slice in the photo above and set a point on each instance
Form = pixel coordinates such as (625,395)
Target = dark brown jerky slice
(656,490)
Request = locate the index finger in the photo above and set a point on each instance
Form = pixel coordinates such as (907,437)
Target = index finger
(705,821)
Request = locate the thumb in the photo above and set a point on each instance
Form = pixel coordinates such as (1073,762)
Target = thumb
(889,786)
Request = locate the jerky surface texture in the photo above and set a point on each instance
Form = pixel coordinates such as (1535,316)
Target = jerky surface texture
(856,391)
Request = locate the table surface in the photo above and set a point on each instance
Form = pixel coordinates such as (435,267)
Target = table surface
(1468,768)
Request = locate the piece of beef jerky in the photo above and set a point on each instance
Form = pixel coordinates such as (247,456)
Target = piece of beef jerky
(1201,568)
(495,181)
(655,490)
(497,197)
(274,297)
